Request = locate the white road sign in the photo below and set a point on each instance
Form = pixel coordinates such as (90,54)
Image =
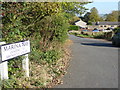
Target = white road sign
(10,51)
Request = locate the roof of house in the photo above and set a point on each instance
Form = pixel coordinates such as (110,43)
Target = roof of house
(106,23)
(81,23)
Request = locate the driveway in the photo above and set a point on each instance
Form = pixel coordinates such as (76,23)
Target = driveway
(94,64)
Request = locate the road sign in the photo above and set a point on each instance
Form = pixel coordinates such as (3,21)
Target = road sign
(9,51)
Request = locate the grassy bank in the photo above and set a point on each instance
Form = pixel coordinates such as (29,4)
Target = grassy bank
(43,74)
(46,26)
(95,35)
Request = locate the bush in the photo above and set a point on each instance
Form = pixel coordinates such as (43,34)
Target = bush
(54,28)
(89,23)
(45,27)
(117,30)
(50,56)
(73,27)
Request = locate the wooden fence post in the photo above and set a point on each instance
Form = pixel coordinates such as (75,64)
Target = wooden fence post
(3,67)
(25,65)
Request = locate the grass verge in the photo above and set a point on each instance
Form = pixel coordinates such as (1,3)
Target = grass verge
(43,74)
(96,35)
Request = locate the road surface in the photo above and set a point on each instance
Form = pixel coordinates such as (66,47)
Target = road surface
(94,64)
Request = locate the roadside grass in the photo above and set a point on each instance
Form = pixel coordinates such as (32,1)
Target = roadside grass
(43,73)
(84,36)
(95,35)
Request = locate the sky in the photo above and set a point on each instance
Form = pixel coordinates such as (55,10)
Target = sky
(103,6)
(105,0)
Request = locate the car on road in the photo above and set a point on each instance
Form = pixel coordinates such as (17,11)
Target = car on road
(116,39)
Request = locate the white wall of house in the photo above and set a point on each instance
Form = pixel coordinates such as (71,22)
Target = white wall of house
(101,26)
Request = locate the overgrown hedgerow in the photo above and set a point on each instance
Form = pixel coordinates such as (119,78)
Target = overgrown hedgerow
(45,24)
(45,30)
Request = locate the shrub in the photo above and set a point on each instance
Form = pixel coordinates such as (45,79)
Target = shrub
(73,27)
(50,56)
(117,30)
(42,24)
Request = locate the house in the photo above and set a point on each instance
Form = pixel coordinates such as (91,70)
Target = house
(81,24)
(103,25)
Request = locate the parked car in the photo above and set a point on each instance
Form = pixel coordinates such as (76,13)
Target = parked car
(95,30)
(116,39)
(84,30)
(107,30)
(101,30)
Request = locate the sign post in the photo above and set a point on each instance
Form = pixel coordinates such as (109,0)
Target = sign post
(25,65)
(4,70)
(3,67)
(9,51)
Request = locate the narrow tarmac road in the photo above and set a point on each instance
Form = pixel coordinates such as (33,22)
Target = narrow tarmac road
(94,64)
